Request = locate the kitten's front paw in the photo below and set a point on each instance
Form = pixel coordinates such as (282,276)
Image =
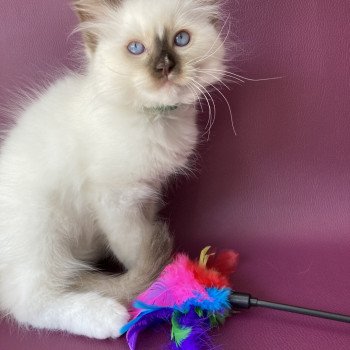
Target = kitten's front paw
(103,318)
(111,317)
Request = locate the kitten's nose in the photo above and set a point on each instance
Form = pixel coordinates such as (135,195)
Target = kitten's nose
(165,65)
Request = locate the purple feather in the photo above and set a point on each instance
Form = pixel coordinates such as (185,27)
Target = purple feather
(199,338)
(149,320)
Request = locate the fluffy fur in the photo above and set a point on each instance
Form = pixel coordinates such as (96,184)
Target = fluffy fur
(82,171)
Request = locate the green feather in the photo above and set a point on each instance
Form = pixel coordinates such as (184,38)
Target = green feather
(217,319)
(178,334)
(199,312)
(213,321)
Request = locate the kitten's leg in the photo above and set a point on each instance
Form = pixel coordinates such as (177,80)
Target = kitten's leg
(141,244)
(41,302)
(37,270)
(87,314)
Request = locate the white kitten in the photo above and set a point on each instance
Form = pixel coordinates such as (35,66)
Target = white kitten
(81,171)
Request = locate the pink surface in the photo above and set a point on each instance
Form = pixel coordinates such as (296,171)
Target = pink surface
(279,192)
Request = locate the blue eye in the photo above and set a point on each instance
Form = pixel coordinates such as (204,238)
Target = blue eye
(182,39)
(136,48)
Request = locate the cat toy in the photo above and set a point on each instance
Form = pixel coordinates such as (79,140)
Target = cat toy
(195,297)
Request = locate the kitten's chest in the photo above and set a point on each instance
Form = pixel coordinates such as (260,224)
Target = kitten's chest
(169,150)
(149,150)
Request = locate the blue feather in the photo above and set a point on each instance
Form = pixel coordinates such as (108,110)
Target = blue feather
(147,309)
(218,301)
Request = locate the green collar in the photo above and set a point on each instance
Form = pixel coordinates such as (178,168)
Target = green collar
(160,109)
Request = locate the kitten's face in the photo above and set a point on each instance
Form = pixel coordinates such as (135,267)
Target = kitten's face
(156,52)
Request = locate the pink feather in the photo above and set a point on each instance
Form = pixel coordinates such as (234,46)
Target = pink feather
(175,285)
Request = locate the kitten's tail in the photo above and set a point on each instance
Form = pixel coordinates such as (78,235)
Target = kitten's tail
(125,287)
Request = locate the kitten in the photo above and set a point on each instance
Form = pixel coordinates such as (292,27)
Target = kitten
(82,170)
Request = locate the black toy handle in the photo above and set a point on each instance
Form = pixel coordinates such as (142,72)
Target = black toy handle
(246,301)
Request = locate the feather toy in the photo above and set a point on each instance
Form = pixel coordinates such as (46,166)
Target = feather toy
(192,296)
(195,296)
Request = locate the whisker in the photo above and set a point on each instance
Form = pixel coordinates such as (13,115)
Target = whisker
(212,75)
(195,93)
(257,80)
(228,105)
(224,73)
(208,54)
(213,115)
(235,75)
(205,57)
(112,70)
(214,106)
(203,93)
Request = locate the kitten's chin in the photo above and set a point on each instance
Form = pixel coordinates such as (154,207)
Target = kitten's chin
(169,100)
(168,93)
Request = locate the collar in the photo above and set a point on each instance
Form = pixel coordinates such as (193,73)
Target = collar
(161,109)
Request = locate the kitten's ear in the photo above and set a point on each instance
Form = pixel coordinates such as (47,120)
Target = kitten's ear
(214,12)
(89,12)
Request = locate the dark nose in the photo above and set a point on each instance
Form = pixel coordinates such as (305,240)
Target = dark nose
(165,65)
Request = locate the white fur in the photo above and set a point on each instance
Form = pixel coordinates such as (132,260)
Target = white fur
(85,159)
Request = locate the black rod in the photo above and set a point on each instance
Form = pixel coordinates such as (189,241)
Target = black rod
(301,310)
(245,301)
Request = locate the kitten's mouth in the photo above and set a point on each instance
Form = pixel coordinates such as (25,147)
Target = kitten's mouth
(165,85)
(167,79)
(168,82)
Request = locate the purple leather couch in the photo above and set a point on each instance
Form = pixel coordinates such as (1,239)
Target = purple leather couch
(279,192)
